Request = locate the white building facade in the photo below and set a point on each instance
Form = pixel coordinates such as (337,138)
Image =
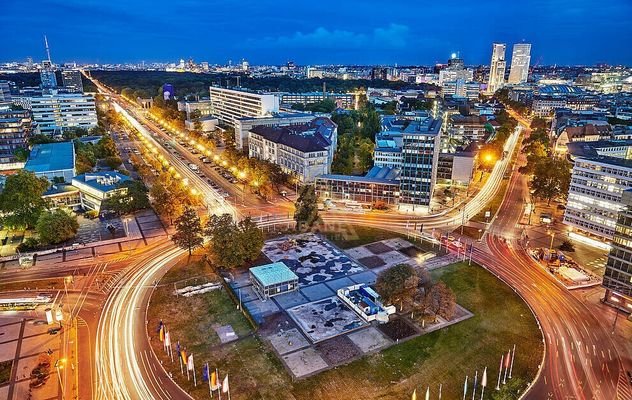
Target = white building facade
(229,104)
(55,112)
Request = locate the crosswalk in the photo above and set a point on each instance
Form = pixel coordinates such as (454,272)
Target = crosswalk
(109,279)
(624,391)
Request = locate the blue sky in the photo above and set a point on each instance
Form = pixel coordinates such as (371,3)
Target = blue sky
(315,32)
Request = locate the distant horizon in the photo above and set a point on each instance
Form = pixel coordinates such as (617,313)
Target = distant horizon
(562,32)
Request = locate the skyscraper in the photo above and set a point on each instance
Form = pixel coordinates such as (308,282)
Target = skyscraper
(520,58)
(47,75)
(497,68)
(71,79)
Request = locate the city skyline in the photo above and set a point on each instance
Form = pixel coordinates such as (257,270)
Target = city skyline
(263,34)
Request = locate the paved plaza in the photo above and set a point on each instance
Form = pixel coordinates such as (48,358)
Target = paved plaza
(310,329)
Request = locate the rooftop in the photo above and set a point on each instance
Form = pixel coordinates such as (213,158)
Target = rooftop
(591,149)
(51,157)
(377,175)
(313,136)
(272,274)
(101,181)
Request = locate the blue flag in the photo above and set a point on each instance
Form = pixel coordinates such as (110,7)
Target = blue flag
(159,326)
(205,373)
(178,347)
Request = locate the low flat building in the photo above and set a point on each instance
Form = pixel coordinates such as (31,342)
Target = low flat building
(63,195)
(98,186)
(305,150)
(365,301)
(342,100)
(272,280)
(53,161)
(378,185)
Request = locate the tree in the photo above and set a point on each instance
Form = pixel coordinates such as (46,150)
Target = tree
(132,197)
(189,232)
(165,203)
(440,301)
(21,154)
(223,241)
(512,390)
(21,200)
(233,244)
(306,214)
(551,178)
(397,284)
(250,239)
(56,226)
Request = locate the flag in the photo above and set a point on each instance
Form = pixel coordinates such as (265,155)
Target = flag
(465,386)
(167,339)
(484,380)
(183,354)
(414,395)
(160,324)
(190,365)
(507,359)
(178,347)
(428,393)
(225,388)
(205,373)
(214,382)
(162,333)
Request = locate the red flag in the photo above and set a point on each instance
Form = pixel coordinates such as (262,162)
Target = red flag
(508,359)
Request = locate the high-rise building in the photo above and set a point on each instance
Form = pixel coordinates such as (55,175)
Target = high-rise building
(71,78)
(497,68)
(379,73)
(617,278)
(230,104)
(520,58)
(420,150)
(47,76)
(15,128)
(56,112)
(5,91)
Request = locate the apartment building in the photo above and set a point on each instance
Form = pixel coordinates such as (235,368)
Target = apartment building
(304,150)
(617,278)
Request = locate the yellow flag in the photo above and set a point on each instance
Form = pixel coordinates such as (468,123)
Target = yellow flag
(162,333)
(414,394)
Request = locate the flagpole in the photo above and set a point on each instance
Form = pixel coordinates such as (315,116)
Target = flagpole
(228,387)
(513,355)
(465,388)
(474,388)
(500,371)
(210,390)
(483,382)
(219,392)
(194,377)
(171,353)
(505,375)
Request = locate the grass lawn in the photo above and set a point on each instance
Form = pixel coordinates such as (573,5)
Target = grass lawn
(5,371)
(445,356)
(356,235)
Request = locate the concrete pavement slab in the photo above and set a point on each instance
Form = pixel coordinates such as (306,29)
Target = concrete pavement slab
(304,362)
(288,341)
(369,339)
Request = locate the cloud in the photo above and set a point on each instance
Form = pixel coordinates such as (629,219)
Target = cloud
(394,36)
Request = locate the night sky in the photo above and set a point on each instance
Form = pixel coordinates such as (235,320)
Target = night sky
(366,32)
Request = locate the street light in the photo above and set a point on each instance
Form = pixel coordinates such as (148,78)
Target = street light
(551,245)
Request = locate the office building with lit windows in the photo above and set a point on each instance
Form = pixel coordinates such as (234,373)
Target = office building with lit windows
(71,79)
(497,68)
(617,278)
(520,59)
(594,195)
(230,104)
(58,111)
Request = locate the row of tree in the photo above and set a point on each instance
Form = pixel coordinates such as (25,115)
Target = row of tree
(356,136)
(551,176)
(230,244)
